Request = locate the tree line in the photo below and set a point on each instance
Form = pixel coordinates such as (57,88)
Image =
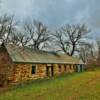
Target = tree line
(69,39)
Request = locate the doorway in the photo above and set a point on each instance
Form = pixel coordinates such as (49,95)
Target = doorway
(81,68)
(49,71)
(52,71)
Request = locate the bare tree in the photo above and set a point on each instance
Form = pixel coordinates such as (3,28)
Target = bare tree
(33,34)
(98,45)
(3,26)
(38,33)
(10,33)
(69,37)
(19,38)
(86,52)
(7,26)
(11,27)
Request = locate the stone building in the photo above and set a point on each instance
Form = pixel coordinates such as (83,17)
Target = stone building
(21,64)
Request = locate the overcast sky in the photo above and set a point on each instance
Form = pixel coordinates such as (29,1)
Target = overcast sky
(56,13)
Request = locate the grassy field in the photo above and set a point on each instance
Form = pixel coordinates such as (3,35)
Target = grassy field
(76,86)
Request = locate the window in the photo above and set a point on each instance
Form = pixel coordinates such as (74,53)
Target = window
(70,67)
(33,69)
(65,67)
(59,68)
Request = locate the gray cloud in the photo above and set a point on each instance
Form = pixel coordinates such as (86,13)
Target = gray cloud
(20,8)
(56,13)
(59,12)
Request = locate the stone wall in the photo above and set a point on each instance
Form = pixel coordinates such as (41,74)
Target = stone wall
(69,68)
(22,72)
(5,61)
(6,66)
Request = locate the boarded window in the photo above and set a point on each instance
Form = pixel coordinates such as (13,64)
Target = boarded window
(33,69)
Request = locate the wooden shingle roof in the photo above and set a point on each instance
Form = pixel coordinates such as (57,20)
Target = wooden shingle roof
(28,55)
